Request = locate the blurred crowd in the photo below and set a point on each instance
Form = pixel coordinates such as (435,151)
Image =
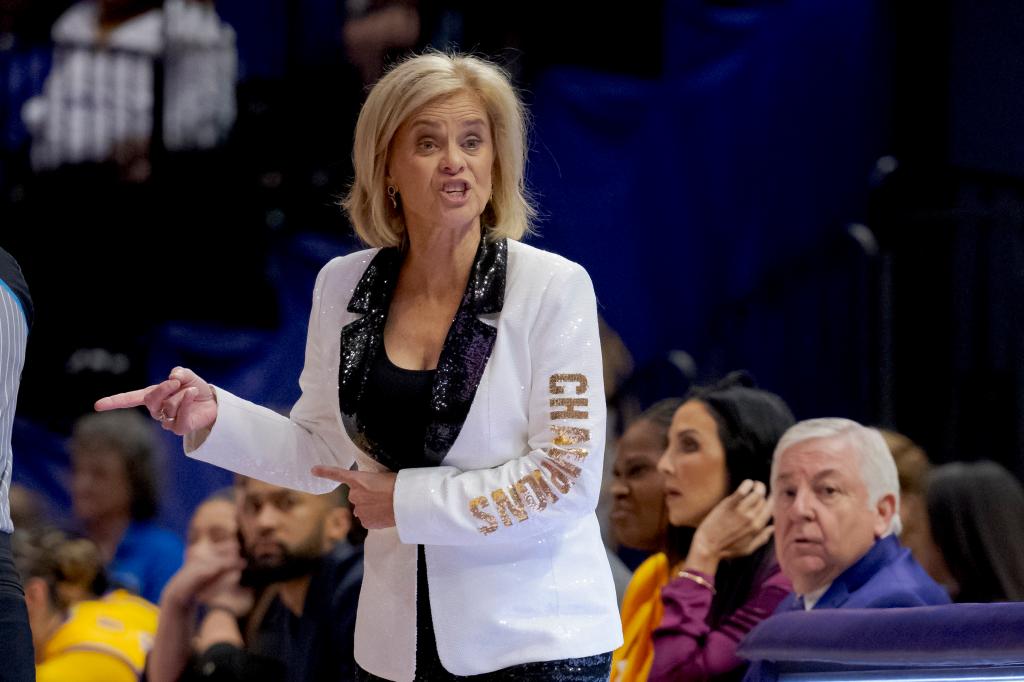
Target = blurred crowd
(713,501)
(263,586)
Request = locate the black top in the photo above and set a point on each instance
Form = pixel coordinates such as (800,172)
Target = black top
(396,411)
(318,645)
(10,274)
(395,415)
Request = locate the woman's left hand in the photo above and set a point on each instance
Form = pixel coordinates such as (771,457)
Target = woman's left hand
(370,493)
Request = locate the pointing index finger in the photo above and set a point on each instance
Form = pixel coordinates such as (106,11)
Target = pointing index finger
(122,400)
(336,474)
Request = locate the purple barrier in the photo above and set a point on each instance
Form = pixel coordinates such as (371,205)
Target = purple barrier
(955,635)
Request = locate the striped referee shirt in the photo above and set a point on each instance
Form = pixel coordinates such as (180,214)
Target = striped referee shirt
(15,317)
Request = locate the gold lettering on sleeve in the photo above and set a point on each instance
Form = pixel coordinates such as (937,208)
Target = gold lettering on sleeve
(555,387)
(560,455)
(558,469)
(569,408)
(509,505)
(567,458)
(569,435)
(476,506)
(568,468)
(562,480)
(535,491)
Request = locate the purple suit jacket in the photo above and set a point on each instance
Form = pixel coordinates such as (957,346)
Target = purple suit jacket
(886,577)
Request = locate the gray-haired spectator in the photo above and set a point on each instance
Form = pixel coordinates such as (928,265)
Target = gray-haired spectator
(836,513)
(114,499)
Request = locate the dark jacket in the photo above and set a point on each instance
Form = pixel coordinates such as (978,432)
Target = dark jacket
(318,645)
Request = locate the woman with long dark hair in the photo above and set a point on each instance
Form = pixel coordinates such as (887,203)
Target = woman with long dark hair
(716,469)
(976,512)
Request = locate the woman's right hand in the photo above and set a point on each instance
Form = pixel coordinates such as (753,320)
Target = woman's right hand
(737,526)
(183,403)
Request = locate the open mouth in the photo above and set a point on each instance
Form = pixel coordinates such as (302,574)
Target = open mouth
(455,190)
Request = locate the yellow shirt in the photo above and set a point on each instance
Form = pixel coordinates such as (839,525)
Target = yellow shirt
(641,613)
(103,640)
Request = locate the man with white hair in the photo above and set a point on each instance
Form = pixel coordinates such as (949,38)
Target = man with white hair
(836,501)
(836,509)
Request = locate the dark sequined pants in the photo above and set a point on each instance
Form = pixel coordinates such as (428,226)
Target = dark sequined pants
(429,669)
(590,669)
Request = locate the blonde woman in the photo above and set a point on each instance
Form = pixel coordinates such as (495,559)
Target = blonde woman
(459,370)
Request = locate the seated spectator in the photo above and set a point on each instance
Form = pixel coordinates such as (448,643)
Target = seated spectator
(98,103)
(976,513)
(638,515)
(114,500)
(209,579)
(29,510)
(913,468)
(639,521)
(716,480)
(77,634)
(302,624)
(836,510)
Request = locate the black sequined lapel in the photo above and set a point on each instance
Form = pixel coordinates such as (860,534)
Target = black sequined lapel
(466,349)
(362,339)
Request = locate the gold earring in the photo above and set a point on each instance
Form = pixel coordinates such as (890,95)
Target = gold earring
(392,195)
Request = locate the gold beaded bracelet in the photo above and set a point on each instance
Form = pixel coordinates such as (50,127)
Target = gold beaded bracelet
(683,573)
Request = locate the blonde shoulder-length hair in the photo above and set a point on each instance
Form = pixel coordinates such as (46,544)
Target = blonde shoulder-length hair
(405,88)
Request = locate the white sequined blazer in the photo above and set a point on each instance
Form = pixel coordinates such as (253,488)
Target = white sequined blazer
(515,563)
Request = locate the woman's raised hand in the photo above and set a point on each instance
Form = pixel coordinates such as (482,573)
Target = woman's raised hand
(183,403)
(737,526)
